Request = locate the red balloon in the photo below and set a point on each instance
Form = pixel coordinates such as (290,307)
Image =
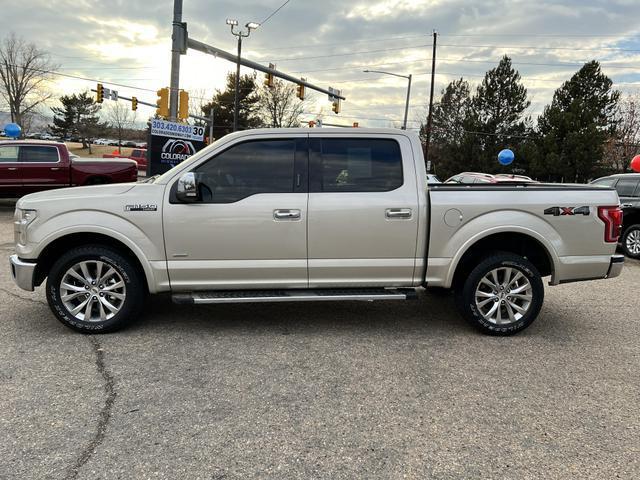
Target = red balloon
(635,164)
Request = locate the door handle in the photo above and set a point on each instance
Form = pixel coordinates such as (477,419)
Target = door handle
(286,214)
(53,169)
(12,168)
(398,213)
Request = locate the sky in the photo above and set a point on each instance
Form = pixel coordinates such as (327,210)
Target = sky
(331,42)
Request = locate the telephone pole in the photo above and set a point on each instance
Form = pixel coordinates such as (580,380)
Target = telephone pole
(430,115)
(178,47)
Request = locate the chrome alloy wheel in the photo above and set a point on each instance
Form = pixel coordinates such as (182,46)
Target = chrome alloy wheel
(632,242)
(503,296)
(92,291)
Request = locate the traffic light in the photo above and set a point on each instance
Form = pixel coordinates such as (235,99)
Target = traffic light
(163,102)
(134,103)
(356,124)
(336,106)
(99,93)
(183,107)
(301,89)
(269,77)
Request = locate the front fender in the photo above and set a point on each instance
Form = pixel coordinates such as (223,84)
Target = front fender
(139,239)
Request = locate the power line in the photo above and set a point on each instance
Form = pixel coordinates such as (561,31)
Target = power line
(274,12)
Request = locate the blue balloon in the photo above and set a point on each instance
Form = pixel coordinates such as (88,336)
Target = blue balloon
(12,130)
(506,157)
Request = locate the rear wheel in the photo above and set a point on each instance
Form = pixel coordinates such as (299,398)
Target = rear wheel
(502,295)
(94,289)
(631,241)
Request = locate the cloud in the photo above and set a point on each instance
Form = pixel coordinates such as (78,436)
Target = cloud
(331,42)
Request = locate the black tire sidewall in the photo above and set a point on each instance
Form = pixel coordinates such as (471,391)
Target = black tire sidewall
(123,266)
(624,241)
(467,294)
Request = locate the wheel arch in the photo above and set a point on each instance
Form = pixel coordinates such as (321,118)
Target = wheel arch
(525,243)
(64,242)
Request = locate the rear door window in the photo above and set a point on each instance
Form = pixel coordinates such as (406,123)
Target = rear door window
(358,165)
(605,182)
(38,154)
(627,186)
(8,154)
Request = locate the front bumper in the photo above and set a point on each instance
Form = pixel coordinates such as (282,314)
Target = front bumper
(615,267)
(22,272)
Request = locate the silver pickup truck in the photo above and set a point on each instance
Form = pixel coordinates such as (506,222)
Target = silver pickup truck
(284,215)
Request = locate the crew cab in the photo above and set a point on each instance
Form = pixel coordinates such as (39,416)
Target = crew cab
(138,155)
(277,215)
(28,166)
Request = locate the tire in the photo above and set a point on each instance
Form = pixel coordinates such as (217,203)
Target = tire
(103,306)
(478,295)
(631,241)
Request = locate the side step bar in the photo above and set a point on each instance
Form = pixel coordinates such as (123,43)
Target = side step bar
(315,295)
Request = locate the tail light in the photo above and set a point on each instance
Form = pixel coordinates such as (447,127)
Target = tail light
(612,218)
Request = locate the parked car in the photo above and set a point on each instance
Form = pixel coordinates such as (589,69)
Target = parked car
(628,187)
(100,141)
(138,155)
(28,166)
(431,178)
(311,215)
(486,178)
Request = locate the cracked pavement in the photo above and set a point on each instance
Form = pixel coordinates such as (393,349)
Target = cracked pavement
(316,390)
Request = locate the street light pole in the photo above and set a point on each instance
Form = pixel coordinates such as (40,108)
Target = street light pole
(240,35)
(406,106)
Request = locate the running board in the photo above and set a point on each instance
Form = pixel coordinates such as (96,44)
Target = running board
(319,295)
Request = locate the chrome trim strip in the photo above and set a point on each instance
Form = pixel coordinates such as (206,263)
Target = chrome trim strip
(302,297)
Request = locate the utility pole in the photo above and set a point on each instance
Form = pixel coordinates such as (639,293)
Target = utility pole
(236,98)
(211,126)
(406,106)
(178,47)
(433,81)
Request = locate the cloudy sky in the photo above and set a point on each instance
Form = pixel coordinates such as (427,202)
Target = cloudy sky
(330,42)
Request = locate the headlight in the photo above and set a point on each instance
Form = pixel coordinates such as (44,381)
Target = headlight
(23,217)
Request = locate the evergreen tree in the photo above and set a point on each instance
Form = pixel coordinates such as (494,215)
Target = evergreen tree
(223,106)
(78,116)
(574,127)
(450,144)
(497,117)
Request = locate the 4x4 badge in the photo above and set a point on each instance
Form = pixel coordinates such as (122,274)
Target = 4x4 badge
(560,211)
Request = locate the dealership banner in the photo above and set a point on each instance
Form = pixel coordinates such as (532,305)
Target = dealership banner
(172,143)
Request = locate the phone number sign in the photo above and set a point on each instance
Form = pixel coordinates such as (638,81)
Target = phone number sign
(182,131)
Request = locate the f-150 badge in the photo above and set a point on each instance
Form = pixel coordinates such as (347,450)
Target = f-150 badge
(141,207)
(561,211)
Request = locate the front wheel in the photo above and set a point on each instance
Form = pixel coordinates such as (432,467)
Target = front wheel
(502,295)
(631,241)
(94,289)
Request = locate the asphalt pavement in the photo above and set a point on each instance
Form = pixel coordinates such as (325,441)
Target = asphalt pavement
(322,390)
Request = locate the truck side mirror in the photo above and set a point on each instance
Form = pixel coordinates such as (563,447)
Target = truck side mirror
(187,190)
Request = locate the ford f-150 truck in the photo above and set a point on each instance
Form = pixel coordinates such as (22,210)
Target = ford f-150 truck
(283,215)
(28,166)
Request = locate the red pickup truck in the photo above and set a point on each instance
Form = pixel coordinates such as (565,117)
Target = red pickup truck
(139,155)
(28,166)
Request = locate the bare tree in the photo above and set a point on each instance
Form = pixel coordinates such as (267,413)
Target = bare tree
(620,148)
(280,106)
(24,72)
(120,117)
